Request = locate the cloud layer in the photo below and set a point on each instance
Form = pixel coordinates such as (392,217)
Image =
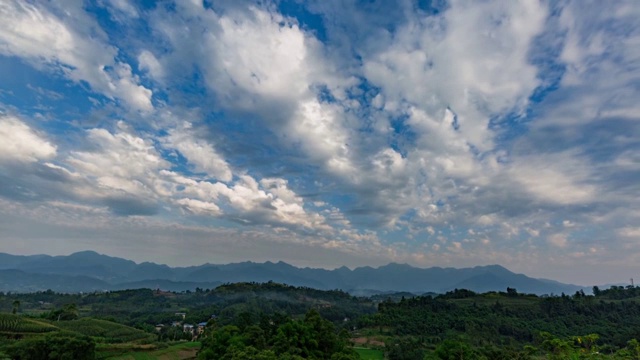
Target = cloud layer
(326,133)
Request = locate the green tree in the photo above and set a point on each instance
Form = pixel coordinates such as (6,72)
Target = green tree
(557,349)
(220,341)
(632,351)
(455,350)
(16,306)
(255,337)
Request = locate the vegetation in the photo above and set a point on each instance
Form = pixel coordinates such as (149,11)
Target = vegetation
(107,331)
(54,346)
(369,354)
(275,321)
(278,337)
(508,325)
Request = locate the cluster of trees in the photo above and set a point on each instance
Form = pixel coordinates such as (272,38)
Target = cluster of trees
(547,347)
(509,325)
(65,313)
(52,346)
(504,320)
(277,337)
(617,292)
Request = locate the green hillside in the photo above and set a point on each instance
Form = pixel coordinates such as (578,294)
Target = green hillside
(23,337)
(14,325)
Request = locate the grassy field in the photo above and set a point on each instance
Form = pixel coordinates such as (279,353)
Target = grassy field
(181,351)
(369,354)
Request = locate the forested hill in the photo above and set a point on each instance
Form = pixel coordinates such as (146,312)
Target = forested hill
(275,321)
(89,271)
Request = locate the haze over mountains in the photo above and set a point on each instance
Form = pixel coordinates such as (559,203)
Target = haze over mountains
(89,271)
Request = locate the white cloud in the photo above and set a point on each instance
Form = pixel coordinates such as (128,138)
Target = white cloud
(77,48)
(124,85)
(457,61)
(124,163)
(199,207)
(256,52)
(125,7)
(456,246)
(558,240)
(533,232)
(315,126)
(564,181)
(18,142)
(148,62)
(121,161)
(198,152)
(257,61)
(248,201)
(275,204)
(629,232)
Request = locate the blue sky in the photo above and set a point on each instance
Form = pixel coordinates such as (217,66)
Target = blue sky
(325,133)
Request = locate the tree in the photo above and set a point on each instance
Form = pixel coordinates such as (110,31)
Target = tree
(455,350)
(16,306)
(632,351)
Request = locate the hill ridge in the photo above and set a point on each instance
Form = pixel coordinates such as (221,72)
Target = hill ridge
(113,273)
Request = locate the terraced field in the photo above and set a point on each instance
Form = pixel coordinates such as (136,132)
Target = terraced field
(106,331)
(14,324)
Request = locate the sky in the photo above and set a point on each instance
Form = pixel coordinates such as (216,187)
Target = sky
(325,133)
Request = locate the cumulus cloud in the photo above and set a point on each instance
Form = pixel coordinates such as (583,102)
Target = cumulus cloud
(121,161)
(258,61)
(18,142)
(457,61)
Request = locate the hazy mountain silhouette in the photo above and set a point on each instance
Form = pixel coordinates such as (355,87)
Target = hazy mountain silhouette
(90,271)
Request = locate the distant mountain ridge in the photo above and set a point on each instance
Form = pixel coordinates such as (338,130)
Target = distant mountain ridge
(89,271)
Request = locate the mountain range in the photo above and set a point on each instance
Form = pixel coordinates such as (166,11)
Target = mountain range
(88,271)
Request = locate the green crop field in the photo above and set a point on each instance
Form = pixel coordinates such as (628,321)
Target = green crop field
(10,323)
(107,331)
(369,354)
(102,331)
(180,351)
